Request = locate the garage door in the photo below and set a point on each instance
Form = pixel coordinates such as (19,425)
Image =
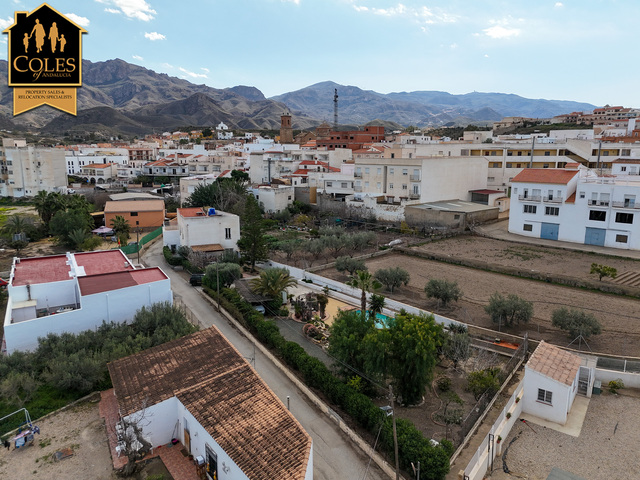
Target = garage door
(594,236)
(549,231)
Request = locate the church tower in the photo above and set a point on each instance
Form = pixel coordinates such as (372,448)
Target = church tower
(286,132)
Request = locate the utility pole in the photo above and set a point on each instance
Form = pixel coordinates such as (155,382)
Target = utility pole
(533,144)
(335,109)
(395,433)
(599,150)
(218,283)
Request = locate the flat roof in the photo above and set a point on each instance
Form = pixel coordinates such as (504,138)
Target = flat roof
(105,261)
(453,206)
(29,271)
(114,281)
(225,395)
(134,206)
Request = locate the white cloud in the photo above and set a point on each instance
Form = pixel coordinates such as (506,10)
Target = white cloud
(422,15)
(486,56)
(137,57)
(112,10)
(5,22)
(297,2)
(82,21)
(498,31)
(204,69)
(138,9)
(453,46)
(153,36)
(559,5)
(192,74)
(167,65)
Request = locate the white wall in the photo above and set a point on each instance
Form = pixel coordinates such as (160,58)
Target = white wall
(199,437)
(115,305)
(561,396)
(170,237)
(209,230)
(158,422)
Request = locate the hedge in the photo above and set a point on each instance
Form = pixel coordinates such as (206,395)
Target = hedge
(412,445)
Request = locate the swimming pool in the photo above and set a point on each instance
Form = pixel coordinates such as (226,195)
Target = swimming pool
(382,321)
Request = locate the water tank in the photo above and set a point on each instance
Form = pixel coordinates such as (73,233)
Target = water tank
(212,211)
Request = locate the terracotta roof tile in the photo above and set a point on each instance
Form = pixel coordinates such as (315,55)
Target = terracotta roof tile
(545,175)
(555,363)
(227,397)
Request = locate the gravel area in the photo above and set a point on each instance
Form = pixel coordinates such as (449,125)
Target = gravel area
(79,428)
(605,450)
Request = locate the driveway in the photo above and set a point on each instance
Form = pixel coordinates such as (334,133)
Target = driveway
(334,456)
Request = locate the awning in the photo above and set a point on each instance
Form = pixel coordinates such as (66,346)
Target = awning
(102,231)
(212,247)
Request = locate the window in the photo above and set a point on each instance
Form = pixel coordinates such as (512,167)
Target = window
(456,217)
(329,184)
(597,215)
(405,171)
(622,238)
(624,217)
(344,184)
(494,165)
(391,170)
(581,194)
(379,172)
(391,186)
(491,179)
(555,211)
(366,170)
(404,186)
(378,185)
(134,214)
(289,197)
(509,165)
(547,153)
(544,396)
(623,169)
(227,233)
(626,152)
(530,209)
(527,227)
(545,165)
(393,155)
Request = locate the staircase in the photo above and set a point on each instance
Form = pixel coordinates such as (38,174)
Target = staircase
(631,279)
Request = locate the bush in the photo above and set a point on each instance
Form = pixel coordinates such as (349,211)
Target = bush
(615,385)
(393,277)
(443,383)
(443,291)
(482,381)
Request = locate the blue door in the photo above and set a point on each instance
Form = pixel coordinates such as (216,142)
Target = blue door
(549,231)
(594,236)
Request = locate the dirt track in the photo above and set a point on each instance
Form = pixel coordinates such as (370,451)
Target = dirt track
(620,316)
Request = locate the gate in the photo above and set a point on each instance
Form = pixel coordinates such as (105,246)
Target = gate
(594,236)
(584,380)
(549,231)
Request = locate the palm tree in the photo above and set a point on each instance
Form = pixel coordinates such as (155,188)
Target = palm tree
(16,224)
(376,304)
(120,226)
(78,237)
(272,282)
(364,281)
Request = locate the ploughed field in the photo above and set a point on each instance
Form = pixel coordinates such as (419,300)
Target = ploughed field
(619,315)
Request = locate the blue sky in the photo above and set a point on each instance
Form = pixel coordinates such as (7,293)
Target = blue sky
(580,50)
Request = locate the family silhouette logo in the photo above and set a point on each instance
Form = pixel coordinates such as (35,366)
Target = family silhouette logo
(45,60)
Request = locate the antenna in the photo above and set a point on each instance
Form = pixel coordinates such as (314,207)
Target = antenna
(335,109)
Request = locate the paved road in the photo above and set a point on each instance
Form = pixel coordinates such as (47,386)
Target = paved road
(334,456)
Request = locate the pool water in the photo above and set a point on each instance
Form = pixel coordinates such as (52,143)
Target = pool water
(382,321)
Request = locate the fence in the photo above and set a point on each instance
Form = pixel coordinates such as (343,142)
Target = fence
(133,248)
(483,402)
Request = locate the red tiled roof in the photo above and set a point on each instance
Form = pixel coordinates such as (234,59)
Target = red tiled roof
(555,363)
(41,270)
(97,165)
(225,395)
(301,171)
(107,282)
(571,198)
(629,160)
(486,191)
(191,212)
(545,175)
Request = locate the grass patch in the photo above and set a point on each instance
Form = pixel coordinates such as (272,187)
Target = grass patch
(45,442)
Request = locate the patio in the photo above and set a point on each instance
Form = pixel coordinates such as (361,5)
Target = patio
(179,466)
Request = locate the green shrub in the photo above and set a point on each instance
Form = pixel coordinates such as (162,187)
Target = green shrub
(615,385)
(443,383)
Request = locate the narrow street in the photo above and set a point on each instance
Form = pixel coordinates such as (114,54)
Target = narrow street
(334,456)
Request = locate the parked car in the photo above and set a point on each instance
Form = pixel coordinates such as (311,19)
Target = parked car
(196,279)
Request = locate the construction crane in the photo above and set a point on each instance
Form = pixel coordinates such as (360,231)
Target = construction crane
(335,109)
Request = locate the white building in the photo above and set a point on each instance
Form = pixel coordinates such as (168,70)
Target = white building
(205,230)
(577,205)
(200,390)
(551,379)
(189,184)
(79,156)
(274,198)
(26,170)
(76,292)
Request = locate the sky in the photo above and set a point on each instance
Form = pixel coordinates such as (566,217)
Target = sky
(579,50)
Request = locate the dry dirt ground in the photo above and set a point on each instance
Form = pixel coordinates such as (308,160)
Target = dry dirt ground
(79,428)
(605,450)
(618,315)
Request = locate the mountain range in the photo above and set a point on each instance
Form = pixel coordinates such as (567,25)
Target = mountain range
(121,98)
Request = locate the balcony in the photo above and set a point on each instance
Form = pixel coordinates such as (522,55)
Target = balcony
(625,205)
(530,198)
(598,203)
(358,175)
(414,178)
(552,200)
(414,196)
